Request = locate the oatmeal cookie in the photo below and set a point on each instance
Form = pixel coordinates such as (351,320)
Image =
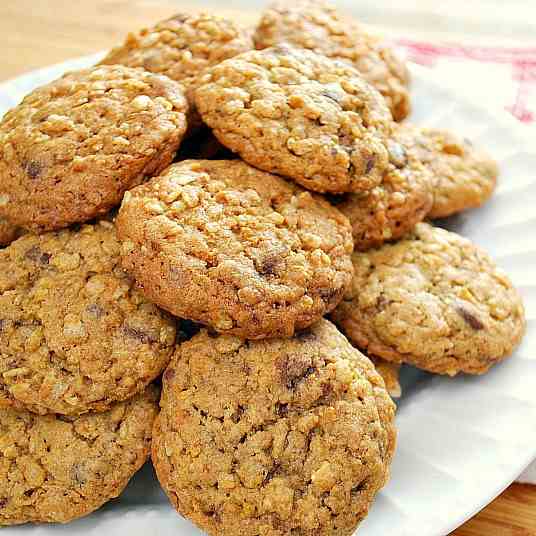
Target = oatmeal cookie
(55,468)
(464,176)
(182,47)
(433,300)
(296,113)
(71,148)
(8,232)
(316,25)
(395,206)
(74,334)
(238,249)
(273,437)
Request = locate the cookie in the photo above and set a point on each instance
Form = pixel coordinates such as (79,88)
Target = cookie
(433,300)
(8,232)
(232,247)
(301,115)
(182,47)
(71,148)
(390,373)
(397,204)
(316,25)
(274,437)
(74,334)
(56,469)
(464,176)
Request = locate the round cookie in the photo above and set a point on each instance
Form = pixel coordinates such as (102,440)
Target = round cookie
(274,437)
(182,47)
(8,232)
(433,300)
(316,25)
(394,207)
(232,247)
(464,176)
(56,469)
(71,148)
(301,115)
(74,334)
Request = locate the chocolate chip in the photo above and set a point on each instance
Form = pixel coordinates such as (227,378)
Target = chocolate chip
(470,318)
(33,169)
(95,310)
(169,374)
(138,334)
(397,154)
(237,415)
(294,370)
(371,162)
(35,254)
(281,409)
(3,501)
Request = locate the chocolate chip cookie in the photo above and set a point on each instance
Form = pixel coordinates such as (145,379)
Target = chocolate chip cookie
(301,115)
(56,469)
(245,252)
(398,203)
(464,176)
(8,232)
(74,334)
(182,47)
(71,148)
(274,437)
(316,25)
(433,300)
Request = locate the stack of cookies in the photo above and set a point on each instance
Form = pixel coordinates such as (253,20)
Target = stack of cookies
(193,207)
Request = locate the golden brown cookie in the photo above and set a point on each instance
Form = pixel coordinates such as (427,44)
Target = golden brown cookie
(71,148)
(433,300)
(56,469)
(316,25)
(397,204)
(390,373)
(464,176)
(74,334)
(8,232)
(274,437)
(301,115)
(232,247)
(182,47)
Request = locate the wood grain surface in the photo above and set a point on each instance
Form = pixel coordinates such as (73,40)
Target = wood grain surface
(37,33)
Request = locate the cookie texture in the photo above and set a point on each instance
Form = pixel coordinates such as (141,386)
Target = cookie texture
(74,334)
(8,232)
(56,469)
(275,437)
(299,114)
(464,176)
(237,249)
(434,300)
(390,373)
(316,25)
(71,148)
(182,47)
(398,203)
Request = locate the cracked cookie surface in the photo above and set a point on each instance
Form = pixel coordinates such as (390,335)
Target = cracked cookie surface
(71,148)
(273,437)
(301,115)
(316,25)
(464,175)
(433,300)
(182,47)
(398,203)
(245,252)
(56,469)
(74,334)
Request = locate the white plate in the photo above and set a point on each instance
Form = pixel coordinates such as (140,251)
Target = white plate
(461,441)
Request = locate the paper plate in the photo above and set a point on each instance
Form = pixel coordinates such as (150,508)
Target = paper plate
(462,440)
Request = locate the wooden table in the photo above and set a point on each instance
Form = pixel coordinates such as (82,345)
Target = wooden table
(38,33)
